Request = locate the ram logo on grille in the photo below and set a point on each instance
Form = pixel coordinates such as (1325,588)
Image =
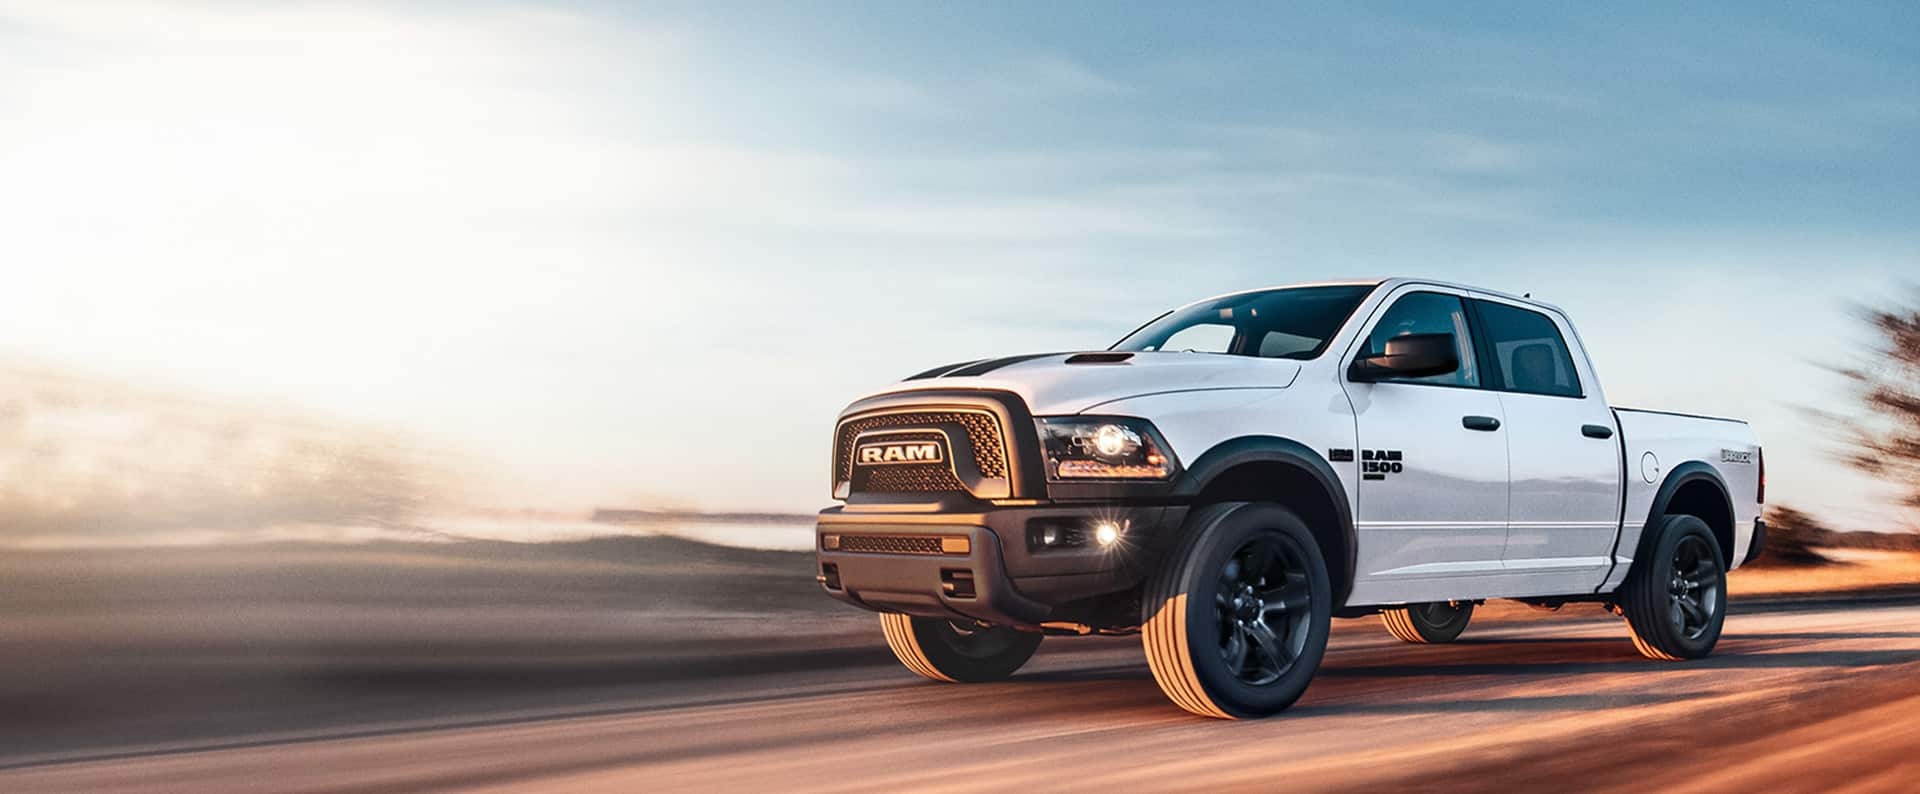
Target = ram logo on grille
(900,452)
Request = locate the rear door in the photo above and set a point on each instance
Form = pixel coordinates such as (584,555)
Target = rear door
(1432,500)
(1563,446)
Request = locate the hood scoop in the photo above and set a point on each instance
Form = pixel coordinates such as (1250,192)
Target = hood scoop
(1098,358)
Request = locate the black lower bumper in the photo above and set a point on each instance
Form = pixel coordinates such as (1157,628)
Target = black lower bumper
(1003,573)
(1758,545)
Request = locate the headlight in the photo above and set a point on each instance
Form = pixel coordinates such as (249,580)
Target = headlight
(1096,448)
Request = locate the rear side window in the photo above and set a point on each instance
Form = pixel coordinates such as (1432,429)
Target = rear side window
(1528,351)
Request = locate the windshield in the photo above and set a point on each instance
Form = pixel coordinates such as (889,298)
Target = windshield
(1281,323)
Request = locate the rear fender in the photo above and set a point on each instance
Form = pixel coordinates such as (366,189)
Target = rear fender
(1678,477)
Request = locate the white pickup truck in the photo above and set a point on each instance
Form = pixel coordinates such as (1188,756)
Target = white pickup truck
(1236,473)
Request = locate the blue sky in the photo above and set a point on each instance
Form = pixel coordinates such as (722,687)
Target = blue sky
(603,246)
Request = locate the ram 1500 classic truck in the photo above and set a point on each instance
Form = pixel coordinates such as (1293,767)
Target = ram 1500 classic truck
(1237,472)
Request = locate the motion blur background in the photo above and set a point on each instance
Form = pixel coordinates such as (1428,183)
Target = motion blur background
(559,256)
(358,352)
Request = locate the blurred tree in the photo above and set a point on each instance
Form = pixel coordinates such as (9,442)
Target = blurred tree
(1791,538)
(1884,441)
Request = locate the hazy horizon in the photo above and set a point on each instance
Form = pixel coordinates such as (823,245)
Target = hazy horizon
(577,254)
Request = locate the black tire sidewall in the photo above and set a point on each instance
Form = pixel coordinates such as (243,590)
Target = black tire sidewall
(1443,632)
(929,634)
(1216,543)
(1651,589)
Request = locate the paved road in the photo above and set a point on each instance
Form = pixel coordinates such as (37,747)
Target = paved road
(1810,696)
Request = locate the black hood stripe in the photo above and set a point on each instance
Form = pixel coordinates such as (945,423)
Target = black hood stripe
(989,365)
(940,370)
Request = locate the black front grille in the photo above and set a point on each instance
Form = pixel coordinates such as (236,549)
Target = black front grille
(890,544)
(916,478)
(983,436)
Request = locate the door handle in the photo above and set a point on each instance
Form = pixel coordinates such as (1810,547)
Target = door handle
(1596,431)
(1479,423)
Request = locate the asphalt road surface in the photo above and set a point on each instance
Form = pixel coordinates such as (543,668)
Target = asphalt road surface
(1815,695)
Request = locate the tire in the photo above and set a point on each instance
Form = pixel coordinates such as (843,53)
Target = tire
(1434,622)
(1236,621)
(1675,600)
(942,651)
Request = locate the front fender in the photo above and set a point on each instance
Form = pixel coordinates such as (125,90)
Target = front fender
(1245,451)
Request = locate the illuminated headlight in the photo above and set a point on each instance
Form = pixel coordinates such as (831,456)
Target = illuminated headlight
(1113,441)
(1084,448)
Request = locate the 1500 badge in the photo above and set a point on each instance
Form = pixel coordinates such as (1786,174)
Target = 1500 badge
(1376,464)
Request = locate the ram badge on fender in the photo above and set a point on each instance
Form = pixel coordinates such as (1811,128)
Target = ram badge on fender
(1230,477)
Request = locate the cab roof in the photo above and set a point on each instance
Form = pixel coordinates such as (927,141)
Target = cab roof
(1394,282)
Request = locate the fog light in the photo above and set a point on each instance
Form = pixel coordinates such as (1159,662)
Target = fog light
(1106,533)
(1050,536)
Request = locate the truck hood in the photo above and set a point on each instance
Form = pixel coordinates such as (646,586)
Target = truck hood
(1070,383)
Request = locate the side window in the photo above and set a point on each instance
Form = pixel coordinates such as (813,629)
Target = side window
(1280,344)
(1528,350)
(1429,313)
(1203,337)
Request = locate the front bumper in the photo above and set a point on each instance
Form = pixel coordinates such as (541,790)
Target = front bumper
(898,562)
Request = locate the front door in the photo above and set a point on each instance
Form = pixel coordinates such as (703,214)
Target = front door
(1432,501)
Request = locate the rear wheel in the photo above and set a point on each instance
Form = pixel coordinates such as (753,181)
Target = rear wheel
(1236,622)
(1438,621)
(1675,601)
(946,651)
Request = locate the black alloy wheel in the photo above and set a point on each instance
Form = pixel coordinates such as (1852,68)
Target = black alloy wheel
(1694,590)
(1263,606)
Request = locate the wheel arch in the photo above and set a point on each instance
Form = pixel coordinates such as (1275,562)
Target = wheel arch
(1692,488)
(1286,472)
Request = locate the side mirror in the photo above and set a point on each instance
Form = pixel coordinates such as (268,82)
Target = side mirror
(1408,356)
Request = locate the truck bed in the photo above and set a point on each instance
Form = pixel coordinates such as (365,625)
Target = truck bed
(1654,444)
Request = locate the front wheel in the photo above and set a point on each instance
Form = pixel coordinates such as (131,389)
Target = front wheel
(1236,622)
(942,650)
(1675,601)
(1439,621)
